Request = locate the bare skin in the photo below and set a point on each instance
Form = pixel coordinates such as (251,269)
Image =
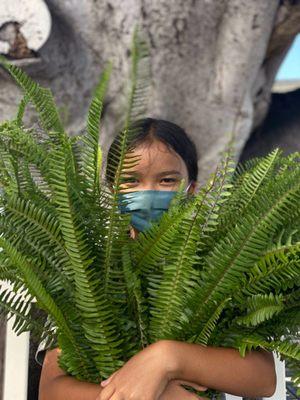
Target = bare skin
(156,372)
(219,368)
(56,385)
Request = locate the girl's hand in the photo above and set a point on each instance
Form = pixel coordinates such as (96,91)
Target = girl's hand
(145,376)
(176,392)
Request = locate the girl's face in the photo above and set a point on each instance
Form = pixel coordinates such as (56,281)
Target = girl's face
(159,168)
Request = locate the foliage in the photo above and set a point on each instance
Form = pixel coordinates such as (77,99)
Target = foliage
(220,268)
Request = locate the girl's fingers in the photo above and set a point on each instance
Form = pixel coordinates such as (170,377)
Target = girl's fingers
(189,396)
(106,381)
(176,392)
(193,396)
(192,384)
(117,397)
(106,393)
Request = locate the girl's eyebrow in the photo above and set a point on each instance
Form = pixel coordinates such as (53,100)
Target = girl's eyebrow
(171,172)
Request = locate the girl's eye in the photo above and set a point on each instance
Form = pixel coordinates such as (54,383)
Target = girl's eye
(129,180)
(168,180)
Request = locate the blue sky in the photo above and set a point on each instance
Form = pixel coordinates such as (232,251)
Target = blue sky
(290,68)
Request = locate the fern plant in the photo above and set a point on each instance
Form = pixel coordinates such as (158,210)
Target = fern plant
(221,268)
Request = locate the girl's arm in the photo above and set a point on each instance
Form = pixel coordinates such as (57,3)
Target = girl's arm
(224,369)
(217,368)
(56,385)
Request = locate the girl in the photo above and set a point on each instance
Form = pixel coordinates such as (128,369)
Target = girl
(168,156)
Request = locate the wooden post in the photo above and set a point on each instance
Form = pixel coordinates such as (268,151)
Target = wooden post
(16,364)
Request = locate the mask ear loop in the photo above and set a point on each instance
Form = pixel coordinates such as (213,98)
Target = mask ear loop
(187,189)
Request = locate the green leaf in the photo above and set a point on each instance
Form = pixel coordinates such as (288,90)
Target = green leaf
(91,152)
(261,307)
(42,100)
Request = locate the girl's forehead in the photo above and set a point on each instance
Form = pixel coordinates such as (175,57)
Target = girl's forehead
(156,156)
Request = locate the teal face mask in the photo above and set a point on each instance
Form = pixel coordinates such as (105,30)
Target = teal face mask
(145,206)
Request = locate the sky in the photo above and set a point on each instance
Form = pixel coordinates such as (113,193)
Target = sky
(290,68)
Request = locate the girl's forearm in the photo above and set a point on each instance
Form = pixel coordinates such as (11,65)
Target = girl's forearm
(224,369)
(55,384)
(67,388)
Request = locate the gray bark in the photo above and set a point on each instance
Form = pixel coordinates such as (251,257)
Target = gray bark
(213,63)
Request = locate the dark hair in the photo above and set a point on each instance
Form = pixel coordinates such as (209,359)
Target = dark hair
(167,132)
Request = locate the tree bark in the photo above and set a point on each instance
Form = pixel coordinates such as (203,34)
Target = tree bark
(213,63)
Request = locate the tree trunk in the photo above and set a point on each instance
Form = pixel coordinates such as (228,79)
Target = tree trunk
(213,63)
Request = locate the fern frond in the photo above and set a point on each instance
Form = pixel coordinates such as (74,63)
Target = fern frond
(21,141)
(98,319)
(259,175)
(275,275)
(260,308)
(8,178)
(21,110)
(242,248)
(123,159)
(42,100)
(169,295)
(206,330)
(32,158)
(91,153)
(136,301)
(140,79)
(285,348)
(40,230)
(219,194)
(278,267)
(46,302)
(248,180)
(18,306)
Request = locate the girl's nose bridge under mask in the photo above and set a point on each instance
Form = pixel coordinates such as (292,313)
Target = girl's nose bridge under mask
(146,206)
